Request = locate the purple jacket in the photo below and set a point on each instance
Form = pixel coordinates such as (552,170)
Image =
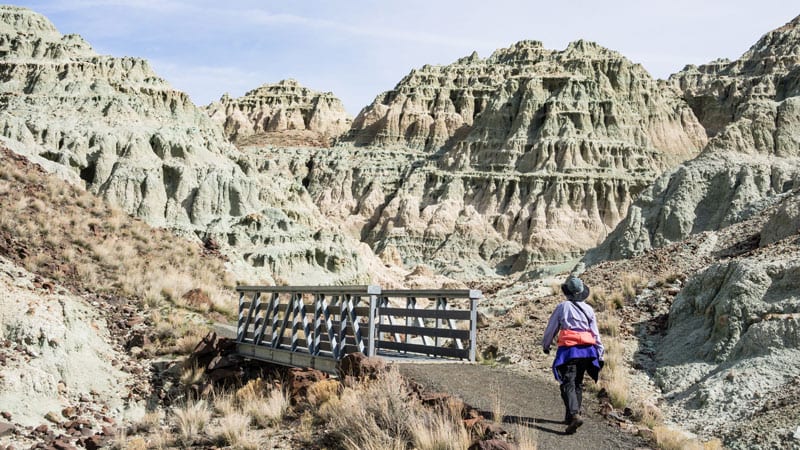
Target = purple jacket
(566,316)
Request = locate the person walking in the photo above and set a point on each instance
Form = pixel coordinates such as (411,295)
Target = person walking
(580,350)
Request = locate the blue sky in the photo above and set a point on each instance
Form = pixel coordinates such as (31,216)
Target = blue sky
(359,48)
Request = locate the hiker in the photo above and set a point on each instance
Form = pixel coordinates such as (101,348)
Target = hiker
(579,348)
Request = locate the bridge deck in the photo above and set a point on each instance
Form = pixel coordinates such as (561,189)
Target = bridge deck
(315,326)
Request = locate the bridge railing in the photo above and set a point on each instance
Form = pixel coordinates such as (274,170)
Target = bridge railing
(441,331)
(315,326)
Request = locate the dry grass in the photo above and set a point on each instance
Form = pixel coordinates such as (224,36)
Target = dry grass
(234,429)
(305,430)
(191,376)
(647,413)
(518,318)
(159,440)
(669,438)
(613,376)
(322,392)
(498,406)
(608,325)
(438,430)
(631,285)
(149,422)
(606,302)
(527,438)
(190,420)
(263,404)
(267,411)
(75,238)
(380,414)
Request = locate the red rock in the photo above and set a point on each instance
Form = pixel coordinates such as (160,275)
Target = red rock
(491,444)
(300,380)
(360,366)
(134,321)
(6,429)
(93,442)
(60,444)
(6,415)
(221,374)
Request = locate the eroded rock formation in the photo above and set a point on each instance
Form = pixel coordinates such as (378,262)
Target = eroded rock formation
(281,112)
(526,158)
(144,146)
(751,108)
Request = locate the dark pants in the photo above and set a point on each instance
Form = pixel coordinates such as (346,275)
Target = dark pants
(571,374)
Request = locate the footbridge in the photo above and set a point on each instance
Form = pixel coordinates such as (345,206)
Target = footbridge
(315,326)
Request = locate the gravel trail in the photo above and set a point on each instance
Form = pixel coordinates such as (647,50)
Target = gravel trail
(529,401)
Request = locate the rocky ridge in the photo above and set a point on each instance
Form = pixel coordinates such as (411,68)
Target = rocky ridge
(523,159)
(142,145)
(730,346)
(751,108)
(281,112)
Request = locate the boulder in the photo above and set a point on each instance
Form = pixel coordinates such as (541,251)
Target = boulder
(360,367)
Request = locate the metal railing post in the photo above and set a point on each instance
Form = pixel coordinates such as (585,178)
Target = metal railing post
(239,321)
(474,295)
(373,292)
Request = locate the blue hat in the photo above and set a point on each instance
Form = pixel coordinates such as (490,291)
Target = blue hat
(575,290)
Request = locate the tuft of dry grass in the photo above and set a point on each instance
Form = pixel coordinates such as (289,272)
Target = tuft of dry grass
(159,440)
(149,422)
(609,325)
(224,404)
(438,430)
(647,413)
(631,285)
(190,420)
(323,391)
(527,438)
(498,406)
(267,411)
(380,414)
(669,438)
(192,376)
(234,429)
(518,318)
(376,414)
(613,376)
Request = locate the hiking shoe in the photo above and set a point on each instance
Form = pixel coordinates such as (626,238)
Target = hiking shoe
(576,422)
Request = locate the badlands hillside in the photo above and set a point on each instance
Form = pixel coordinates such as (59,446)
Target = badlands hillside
(488,172)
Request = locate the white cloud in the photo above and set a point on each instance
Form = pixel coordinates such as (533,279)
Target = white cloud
(205,84)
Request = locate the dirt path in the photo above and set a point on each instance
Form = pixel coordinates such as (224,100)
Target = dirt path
(530,401)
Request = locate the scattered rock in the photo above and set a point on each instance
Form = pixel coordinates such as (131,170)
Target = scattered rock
(491,444)
(359,366)
(299,380)
(6,429)
(93,442)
